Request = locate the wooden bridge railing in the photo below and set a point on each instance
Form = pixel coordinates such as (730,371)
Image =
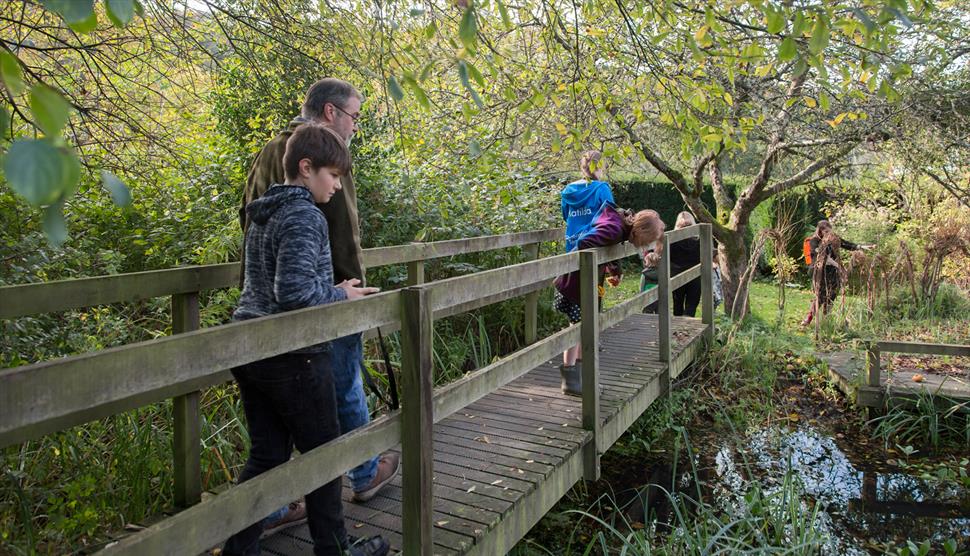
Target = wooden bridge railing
(49,396)
(184,285)
(875,348)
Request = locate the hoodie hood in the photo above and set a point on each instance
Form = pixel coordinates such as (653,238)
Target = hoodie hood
(277,196)
(581,201)
(585,193)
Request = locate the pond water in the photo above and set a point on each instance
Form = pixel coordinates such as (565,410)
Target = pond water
(860,509)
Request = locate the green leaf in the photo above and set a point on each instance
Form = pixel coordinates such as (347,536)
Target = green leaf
(506,20)
(468,29)
(862,16)
(901,16)
(118,190)
(418,92)
(4,123)
(417,12)
(55,227)
(120,12)
(79,14)
(11,73)
(393,87)
(475,74)
(36,171)
(776,21)
(798,25)
(474,149)
(787,50)
(820,36)
(51,111)
(463,75)
(73,11)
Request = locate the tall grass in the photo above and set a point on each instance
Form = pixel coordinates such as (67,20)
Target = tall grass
(929,421)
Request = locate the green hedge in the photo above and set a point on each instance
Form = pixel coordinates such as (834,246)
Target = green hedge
(661,196)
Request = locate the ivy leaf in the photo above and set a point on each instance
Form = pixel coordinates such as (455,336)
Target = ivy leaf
(120,12)
(118,190)
(35,170)
(820,36)
(55,227)
(393,87)
(50,109)
(468,29)
(10,72)
(787,50)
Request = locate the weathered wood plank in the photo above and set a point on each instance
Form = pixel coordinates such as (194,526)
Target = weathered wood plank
(480,383)
(46,297)
(590,329)
(34,398)
(679,280)
(187,425)
(417,419)
(32,299)
(531,325)
(204,525)
(673,236)
(663,303)
(920,347)
(707,277)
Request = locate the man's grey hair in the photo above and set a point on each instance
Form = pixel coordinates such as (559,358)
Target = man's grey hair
(327,90)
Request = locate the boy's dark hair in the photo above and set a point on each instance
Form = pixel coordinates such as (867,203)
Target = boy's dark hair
(327,90)
(318,144)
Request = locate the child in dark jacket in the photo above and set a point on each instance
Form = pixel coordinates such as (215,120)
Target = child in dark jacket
(608,227)
(289,399)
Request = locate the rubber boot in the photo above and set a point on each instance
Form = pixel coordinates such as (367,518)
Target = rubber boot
(572,379)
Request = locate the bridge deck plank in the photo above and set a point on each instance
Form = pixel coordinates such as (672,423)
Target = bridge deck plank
(496,456)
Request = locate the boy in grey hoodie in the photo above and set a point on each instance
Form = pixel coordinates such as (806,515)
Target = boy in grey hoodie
(289,399)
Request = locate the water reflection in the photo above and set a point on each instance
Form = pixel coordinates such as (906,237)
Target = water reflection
(862,505)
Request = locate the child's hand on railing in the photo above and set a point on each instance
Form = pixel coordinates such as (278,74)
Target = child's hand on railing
(614,279)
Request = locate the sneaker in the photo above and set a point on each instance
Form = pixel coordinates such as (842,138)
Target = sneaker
(295,514)
(386,469)
(371,546)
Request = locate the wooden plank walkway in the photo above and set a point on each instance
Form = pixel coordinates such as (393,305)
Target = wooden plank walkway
(502,462)
(848,370)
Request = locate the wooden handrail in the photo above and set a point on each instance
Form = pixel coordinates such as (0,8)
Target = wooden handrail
(48,396)
(46,297)
(922,348)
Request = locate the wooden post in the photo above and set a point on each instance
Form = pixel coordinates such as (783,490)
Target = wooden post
(187,438)
(663,303)
(417,417)
(872,365)
(589,334)
(415,273)
(873,372)
(531,252)
(707,284)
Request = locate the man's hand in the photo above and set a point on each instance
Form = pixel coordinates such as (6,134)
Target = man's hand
(353,292)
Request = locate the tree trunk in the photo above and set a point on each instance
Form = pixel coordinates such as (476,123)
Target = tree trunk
(732,256)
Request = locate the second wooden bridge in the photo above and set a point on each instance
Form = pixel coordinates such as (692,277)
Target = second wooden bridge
(483,458)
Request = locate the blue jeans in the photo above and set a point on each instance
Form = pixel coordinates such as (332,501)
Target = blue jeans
(290,400)
(346,358)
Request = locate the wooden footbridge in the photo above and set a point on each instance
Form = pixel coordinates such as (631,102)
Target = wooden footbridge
(483,457)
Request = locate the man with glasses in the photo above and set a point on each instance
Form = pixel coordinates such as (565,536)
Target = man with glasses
(335,104)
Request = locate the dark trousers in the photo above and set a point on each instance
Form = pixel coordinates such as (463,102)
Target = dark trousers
(687,298)
(290,400)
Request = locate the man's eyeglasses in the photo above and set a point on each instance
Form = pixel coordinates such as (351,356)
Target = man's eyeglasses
(352,117)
